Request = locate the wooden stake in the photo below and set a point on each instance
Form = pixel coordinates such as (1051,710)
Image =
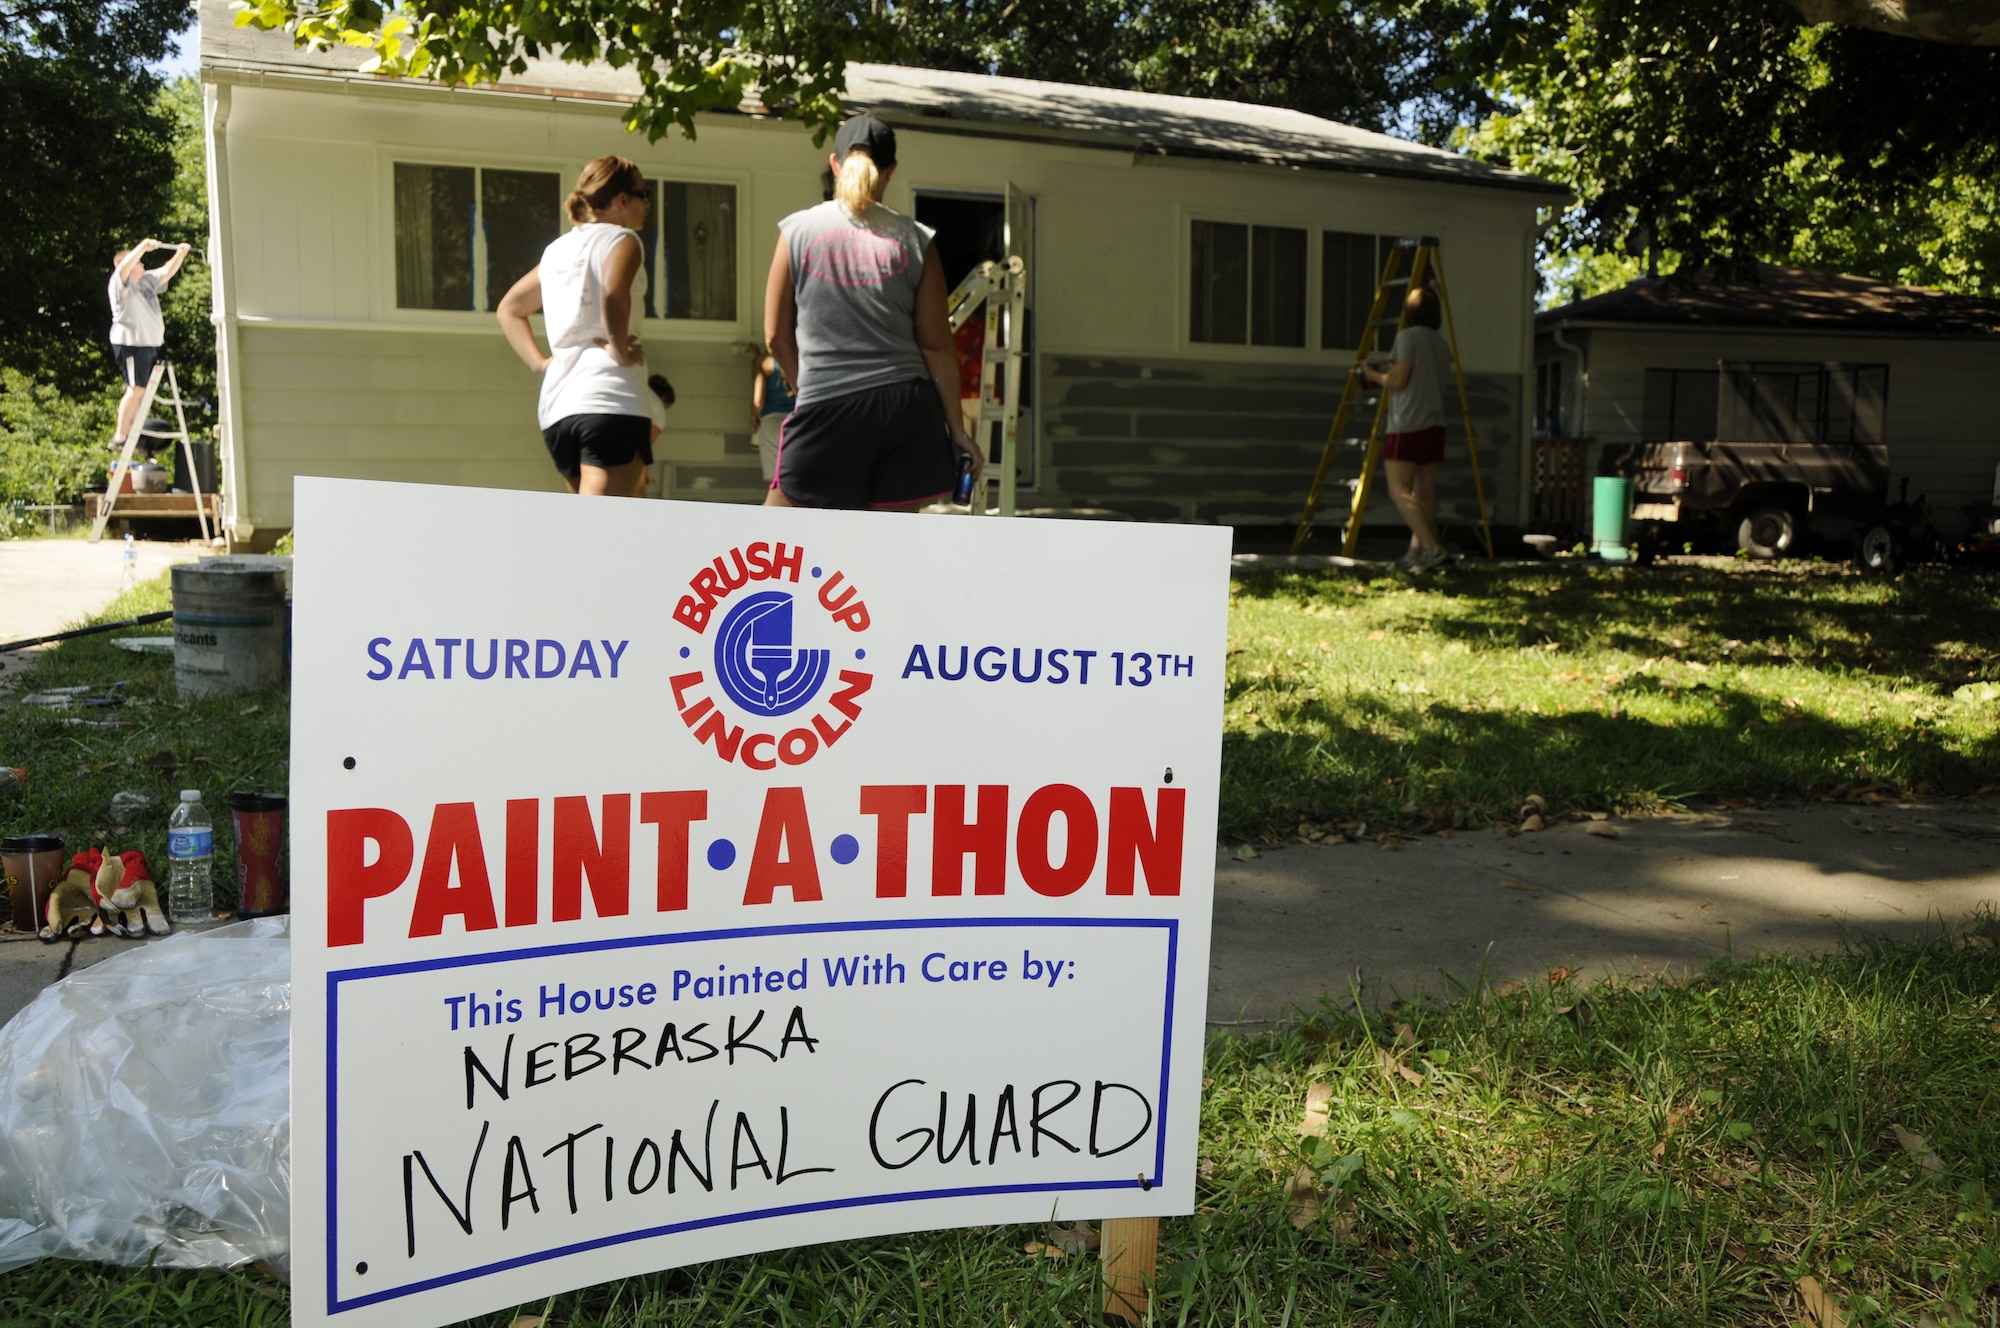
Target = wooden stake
(1129,1248)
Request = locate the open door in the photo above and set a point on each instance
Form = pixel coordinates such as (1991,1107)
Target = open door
(1020,240)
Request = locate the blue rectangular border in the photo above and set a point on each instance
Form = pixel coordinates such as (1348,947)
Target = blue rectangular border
(334,980)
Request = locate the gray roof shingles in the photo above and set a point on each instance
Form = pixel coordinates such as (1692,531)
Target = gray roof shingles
(937,100)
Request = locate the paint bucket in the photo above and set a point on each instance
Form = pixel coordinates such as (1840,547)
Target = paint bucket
(229,626)
(33,864)
(1610,507)
(262,886)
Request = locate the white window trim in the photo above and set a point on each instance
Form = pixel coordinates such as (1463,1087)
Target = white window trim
(749,321)
(387,157)
(749,294)
(1312,352)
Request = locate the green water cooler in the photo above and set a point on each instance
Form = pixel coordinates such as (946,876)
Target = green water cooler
(1610,514)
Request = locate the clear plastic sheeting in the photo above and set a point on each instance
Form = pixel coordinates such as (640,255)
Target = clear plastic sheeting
(145,1107)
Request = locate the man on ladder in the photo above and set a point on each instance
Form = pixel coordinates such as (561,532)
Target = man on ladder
(1415,375)
(138,329)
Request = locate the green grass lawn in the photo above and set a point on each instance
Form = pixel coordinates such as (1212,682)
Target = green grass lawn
(1451,699)
(1660,1155)
(1669,1155)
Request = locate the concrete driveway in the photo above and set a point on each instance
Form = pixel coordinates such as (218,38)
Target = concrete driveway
(49,584)
(1628,897)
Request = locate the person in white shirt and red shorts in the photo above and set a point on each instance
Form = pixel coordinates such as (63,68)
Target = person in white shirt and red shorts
(1413,441)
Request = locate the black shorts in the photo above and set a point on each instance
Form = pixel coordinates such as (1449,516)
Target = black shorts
(880,447)
(603,441)
(135,363)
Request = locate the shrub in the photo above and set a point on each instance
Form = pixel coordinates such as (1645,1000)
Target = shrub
(51,446)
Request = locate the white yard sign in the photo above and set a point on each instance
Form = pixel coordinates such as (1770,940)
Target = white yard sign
(675,881)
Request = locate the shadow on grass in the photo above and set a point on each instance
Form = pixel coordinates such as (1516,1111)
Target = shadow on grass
(1369,754)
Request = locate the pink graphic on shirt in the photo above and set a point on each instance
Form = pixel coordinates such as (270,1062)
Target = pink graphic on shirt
(854,258)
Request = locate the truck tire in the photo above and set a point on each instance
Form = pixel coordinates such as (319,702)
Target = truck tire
(1879,548)
(1768,532)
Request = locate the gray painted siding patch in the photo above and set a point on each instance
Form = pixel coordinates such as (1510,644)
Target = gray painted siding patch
(1238,444)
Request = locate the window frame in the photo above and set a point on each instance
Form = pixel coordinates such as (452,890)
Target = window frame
(388,158)
(749,301)
(1315,227)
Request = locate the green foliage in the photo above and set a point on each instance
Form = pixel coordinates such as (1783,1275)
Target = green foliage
(1380,63)
(694,56)
(1703,131)
(51,445)
(86,156)
(187,303)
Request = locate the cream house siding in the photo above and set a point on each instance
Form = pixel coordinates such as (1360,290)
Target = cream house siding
(1944,395)
(331,378)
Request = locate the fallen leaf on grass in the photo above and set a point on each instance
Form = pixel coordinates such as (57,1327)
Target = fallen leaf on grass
(527,1321)
(1521,885)
(1406,1036)
(1319,1109)
(1559,975)
(1076,1238)
(163,760)
(1037,1249)
(1821,1312)
(1531,824)
(1302,1198)
(258,710)
(1392,1067)
(1913,1143)
(1603,830)
(1740,1252)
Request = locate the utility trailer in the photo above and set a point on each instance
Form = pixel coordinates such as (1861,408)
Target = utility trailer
(1794,451)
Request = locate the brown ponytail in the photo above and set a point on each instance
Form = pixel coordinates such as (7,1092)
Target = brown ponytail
(858,182)
(1421,308)
(599,186)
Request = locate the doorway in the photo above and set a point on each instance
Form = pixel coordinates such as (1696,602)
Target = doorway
(973,229)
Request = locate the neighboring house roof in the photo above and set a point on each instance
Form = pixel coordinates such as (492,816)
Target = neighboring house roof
(941,101)
(1784,298)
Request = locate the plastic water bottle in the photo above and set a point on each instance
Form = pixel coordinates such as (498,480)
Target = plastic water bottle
(190,855)
(131,563)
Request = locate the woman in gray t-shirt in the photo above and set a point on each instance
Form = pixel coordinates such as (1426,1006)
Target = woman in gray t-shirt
(854,312)
(1413,440)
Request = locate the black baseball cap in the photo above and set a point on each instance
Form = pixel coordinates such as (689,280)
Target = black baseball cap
(866,132)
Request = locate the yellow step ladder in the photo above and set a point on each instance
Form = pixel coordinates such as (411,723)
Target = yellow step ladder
(1426,261)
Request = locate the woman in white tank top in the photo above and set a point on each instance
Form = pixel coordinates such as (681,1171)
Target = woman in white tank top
(594,409)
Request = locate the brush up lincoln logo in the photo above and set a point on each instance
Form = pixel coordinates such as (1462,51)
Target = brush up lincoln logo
(774,652)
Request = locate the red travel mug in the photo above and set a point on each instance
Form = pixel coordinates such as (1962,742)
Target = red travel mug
(262,885)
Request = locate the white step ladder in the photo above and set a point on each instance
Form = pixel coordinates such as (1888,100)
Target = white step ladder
(1002,289)
(161,370)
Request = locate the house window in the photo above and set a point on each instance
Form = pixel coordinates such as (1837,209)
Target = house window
(1247,284)
(1802,403)
(1679,406)
(690,244)
(1350,269)
(464,234)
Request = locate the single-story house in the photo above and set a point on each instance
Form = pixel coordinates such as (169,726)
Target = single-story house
(1198,274)
(1794,356)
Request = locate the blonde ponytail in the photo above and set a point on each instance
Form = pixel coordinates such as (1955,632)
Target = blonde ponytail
(858,182)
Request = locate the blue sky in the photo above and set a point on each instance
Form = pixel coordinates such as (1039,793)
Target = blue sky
(186,59)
